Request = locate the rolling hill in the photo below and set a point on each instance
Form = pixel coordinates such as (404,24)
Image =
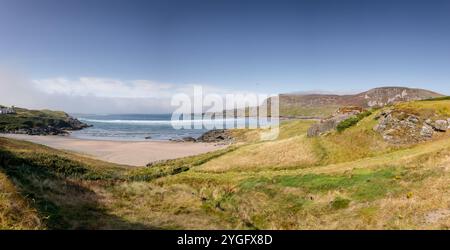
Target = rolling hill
(320,105)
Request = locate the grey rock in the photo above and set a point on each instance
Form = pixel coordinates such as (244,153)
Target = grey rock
(184,139)
(328,124)
(413,119)
(427,131)
(217,135)
(188,139)
(440,125)
(388,137)
(404,128)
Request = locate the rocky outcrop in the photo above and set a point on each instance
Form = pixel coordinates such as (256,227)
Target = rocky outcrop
(72,123)
(331,123)
(380,97)
(217,136)
(221,136)
(34,122)
(56,128)
(377,97)
(400,127)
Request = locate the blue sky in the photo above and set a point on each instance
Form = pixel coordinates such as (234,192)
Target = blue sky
(269,46)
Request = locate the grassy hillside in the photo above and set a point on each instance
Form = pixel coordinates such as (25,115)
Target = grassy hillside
(295,110)
(345,180)
(51,188)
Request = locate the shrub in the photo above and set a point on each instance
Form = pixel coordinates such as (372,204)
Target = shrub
(340,203)
(347,123)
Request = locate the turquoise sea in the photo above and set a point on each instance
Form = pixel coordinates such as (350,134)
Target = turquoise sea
(138,127)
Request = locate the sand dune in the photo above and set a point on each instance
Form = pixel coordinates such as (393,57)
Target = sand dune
(122,152)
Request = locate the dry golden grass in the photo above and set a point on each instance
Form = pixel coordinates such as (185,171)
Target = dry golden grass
(422,108)
(176,206)
(357,142)
(291,149)
(285,153)
(15,211)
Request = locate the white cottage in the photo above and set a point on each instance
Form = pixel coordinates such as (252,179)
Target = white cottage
(6,110)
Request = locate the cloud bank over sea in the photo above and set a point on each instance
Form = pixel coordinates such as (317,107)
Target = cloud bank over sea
(94,95)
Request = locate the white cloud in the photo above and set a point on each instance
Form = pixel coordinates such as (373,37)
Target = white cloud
(95,95)
(103,87)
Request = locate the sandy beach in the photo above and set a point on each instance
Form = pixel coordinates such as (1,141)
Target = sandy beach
(122,152)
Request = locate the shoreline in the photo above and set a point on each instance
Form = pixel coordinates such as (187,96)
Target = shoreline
(132,153)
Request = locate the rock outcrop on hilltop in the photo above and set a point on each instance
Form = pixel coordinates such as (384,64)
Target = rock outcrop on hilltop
(377,97)
(323,105)
(380,97)
(401,127)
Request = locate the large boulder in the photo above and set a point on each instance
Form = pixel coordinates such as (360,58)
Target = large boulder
(426,131)
(441,125)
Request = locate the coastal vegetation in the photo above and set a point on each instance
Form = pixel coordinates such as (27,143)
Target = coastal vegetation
(40,122)
(353,179)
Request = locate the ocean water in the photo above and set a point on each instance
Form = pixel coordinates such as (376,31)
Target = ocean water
(136,127)
(132,127)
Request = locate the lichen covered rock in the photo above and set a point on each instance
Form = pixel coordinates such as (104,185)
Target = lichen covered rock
(441,125)
(401,127)
(329,124)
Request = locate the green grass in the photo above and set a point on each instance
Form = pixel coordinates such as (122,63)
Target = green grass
(362,185)
(173,167)
(340,203)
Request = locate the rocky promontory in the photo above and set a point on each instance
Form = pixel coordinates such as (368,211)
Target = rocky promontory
(39,122)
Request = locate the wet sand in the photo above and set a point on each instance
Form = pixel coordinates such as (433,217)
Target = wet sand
(122,152)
